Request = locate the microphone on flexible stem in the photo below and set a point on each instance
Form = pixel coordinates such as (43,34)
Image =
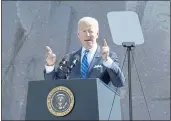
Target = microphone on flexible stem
(72,64)
(63,63)
(62,68)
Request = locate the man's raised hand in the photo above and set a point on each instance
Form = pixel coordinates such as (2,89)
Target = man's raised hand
(50,57)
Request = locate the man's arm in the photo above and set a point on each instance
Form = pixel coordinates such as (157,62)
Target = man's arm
(113,70)
(49,73)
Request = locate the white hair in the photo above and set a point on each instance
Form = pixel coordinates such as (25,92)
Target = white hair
(89,20)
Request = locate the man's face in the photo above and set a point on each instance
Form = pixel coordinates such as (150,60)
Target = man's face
(88,34)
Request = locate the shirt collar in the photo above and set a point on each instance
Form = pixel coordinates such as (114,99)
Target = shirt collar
(92,50)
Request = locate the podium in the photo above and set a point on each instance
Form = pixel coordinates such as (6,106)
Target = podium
(82,99)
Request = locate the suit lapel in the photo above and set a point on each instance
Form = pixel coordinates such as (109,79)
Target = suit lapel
(95,60)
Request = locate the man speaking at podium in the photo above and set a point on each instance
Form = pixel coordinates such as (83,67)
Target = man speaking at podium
(94,61)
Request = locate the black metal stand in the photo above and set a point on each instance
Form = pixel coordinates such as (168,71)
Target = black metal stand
(129,45)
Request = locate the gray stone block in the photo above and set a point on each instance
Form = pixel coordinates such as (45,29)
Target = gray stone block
(37,26)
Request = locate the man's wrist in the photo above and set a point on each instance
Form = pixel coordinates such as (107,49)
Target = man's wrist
(49,68)
(49,64)
(108,62)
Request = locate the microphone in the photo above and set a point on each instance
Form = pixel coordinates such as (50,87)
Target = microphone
(62,69)
(63,63)
(74,61)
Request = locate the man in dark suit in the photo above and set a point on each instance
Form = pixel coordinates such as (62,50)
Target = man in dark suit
(95,61)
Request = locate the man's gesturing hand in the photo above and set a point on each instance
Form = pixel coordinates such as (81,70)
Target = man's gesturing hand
(105,50)
(50,57)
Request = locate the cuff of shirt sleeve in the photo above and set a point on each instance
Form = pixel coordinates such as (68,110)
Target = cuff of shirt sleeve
(108,63)
(49,68)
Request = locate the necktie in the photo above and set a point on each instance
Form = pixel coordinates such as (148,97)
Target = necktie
(84,65)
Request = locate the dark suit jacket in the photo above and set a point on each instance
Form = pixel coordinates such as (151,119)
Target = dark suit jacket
(113,74)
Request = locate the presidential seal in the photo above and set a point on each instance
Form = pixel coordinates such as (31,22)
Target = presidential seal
(60,101)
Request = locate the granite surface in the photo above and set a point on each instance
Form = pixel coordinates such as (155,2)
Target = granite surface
(28,26)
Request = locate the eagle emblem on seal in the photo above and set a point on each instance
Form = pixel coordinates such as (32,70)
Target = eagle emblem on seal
(60,101)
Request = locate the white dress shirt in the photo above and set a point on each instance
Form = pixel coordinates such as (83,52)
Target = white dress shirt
(90,56)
